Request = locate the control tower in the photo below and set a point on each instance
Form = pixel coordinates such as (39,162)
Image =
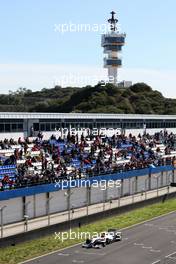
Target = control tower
(112,42)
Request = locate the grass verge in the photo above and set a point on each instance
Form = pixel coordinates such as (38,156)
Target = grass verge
(37,247)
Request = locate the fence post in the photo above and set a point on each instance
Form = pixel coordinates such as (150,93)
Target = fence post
(162,177)
(129,189)
(146,188)
(149,179)
(122,187)
(88,201)
(136,184)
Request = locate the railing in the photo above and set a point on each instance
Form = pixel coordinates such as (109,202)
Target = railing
(121,171)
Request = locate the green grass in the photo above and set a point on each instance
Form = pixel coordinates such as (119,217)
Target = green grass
(27,250)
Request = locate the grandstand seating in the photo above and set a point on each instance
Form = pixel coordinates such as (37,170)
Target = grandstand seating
(9,170)
(70,157)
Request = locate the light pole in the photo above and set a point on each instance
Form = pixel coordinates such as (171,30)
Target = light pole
(88,189)
(68,195)
(72,210)
(157,182)
(118,186)
(103,201)
(119,195)
(26,207)
(88,201)
(104,197)
(169,181)
(133,191)
(110,201)
(48,208)
(26,217)
(87,210)
(146,181)
(2,220)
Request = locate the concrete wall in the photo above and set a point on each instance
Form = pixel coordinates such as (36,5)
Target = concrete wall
(37,205)
(40,204)
(14,210)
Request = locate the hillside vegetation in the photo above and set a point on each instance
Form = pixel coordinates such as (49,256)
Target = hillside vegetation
(137,99)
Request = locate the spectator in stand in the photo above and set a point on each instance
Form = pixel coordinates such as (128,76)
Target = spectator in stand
(74,157)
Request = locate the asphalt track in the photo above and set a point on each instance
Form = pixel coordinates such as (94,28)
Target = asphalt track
(142,244)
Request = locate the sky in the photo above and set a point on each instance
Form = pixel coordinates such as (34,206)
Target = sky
(41,44)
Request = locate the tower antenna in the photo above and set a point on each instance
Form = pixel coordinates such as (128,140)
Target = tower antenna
(113,21)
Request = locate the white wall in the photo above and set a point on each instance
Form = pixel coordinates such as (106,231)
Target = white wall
(40,204)
(136,132)
(58,201)
(14,135)
(48,134)
(97,195)
(14,210)
(30,205)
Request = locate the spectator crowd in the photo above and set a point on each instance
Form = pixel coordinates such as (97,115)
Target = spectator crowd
(33,161)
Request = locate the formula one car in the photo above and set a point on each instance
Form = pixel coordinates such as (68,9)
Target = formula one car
(95,242)
(105,238)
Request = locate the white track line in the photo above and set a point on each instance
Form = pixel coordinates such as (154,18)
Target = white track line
(138,244)
(155,250)
(63,254)
(77,261)
(156,262)
(170,255)
(147,247)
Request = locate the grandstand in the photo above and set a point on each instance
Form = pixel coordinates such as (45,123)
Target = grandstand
(33,160)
